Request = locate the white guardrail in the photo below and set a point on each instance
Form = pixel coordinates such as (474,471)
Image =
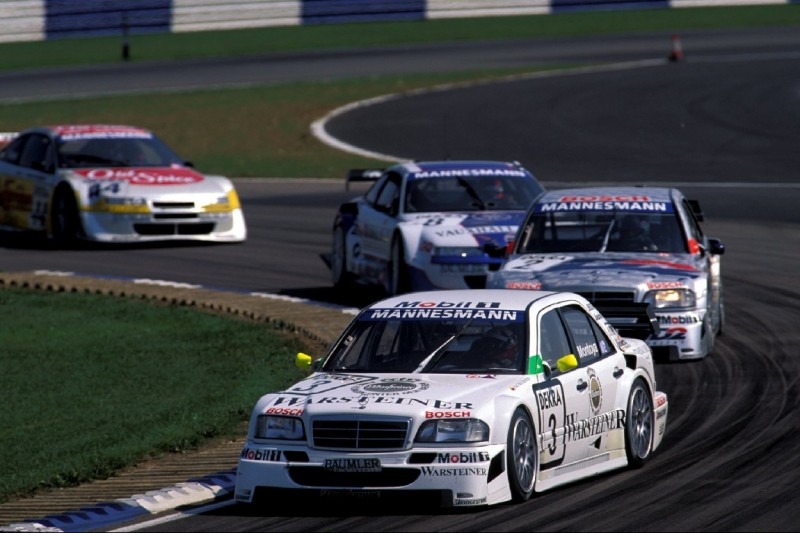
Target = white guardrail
(36,20)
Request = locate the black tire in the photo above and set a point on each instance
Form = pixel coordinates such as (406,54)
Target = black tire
(65,224)
(639,424)
(397,276)
(522,457)
(341,277)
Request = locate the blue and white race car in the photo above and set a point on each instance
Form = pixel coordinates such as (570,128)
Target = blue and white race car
(467,397)
(423,225)
(616,245)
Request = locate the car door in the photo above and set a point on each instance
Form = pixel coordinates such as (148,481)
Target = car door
(378,219)
(562,398)
(26,179)
(602,366)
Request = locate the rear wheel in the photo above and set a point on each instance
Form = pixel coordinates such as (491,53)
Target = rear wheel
(639,424)
(65,224)
(522,457)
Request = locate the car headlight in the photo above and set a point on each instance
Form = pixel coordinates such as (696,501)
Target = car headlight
(120,205)
(462,430)
(457,251)
(279,427)
(671,298)
(224,204)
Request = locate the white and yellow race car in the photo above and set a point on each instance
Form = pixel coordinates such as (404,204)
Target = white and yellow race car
(111,184)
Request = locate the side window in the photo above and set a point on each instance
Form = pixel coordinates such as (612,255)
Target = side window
(389,193)
(11,153)
(583,334)
(695,231)
(553,341)
(35,153)
(372,194)
(602,339)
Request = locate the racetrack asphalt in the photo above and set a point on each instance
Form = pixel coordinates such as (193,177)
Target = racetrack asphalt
(191,478)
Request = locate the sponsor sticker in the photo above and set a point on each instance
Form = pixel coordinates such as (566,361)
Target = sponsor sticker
(138,176)
(346,464)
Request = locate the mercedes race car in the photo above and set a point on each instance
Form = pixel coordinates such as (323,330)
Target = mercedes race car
(616,245)
(111,183)
(469,397)
(423,225)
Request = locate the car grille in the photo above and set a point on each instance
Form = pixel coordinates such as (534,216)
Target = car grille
(359,434)
(318,477)
(605,297)
(204,228)
(475,282)
(173,205)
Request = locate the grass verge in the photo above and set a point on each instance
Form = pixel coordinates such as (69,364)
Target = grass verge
(92,384)
(261,131)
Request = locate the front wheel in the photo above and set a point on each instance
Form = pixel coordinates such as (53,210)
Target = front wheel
(341,278)
(398,280)
(65,224)
(522,457)
(639,424)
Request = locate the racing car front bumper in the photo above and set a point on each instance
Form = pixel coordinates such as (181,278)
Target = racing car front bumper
(461,477)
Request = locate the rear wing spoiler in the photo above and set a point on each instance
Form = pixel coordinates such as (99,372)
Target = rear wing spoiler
(362,174)
(631,319)
(6,137)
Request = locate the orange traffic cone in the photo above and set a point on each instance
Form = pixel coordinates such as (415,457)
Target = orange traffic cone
(677,51)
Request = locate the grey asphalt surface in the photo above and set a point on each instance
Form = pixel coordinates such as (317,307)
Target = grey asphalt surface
(729,461)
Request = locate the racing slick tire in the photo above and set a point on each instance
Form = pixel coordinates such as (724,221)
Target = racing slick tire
(65,224)
(522,456)
(398,280)
(341,277)
(639,424)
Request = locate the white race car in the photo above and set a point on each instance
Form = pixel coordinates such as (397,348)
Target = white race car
(111,183)
(423,225)
(625,244)
(472,397)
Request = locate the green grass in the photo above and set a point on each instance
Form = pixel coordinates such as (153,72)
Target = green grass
(93,384)
(261,131)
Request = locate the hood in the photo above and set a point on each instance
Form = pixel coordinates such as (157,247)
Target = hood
(465,229)
(593,271)
(152,179)
(417,395)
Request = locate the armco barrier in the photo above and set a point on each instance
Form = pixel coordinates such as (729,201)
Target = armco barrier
(35,20)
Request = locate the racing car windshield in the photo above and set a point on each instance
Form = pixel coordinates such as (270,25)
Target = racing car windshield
(602,231)
(469,193)
(115,152)
(431,346)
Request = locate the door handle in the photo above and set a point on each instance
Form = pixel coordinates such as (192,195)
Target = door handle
(582,385)
(618,372)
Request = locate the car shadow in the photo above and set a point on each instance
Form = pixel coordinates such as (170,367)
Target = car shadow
(22,240)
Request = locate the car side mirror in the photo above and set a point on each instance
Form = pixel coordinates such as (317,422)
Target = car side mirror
(715,247)
(567,363)
(492,249)
(306,362)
